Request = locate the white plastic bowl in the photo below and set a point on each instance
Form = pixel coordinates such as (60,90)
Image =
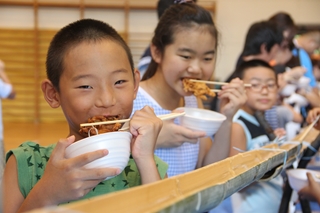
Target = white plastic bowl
(202,120)
(298,178)
(117,143)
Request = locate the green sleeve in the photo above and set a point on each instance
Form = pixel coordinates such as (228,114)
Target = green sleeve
(31,161)
(162,166)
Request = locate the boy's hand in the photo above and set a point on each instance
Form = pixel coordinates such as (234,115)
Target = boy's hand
(145,127)
(67,179)
(232,96)
(312,115)
(280,132)
(311,191)
(294,74)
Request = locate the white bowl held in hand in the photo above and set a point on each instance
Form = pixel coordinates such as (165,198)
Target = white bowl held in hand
(202,120)
(117,143)
(298,178)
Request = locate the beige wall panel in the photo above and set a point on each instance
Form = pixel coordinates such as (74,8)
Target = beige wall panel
(57,17)
(114,17)
(23,17)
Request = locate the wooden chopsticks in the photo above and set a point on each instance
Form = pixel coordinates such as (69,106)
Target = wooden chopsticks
(105,122)
(162,117)
(215,90)
(215,82)
(305,133)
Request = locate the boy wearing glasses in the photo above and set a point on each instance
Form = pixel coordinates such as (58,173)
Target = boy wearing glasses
(247,133)
(262,95)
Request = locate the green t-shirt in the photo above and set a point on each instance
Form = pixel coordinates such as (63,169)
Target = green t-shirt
(32,160)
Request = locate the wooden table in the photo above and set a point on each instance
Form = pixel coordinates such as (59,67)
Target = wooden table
(199,190)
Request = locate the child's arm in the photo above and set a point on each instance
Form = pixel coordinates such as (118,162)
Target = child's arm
(312,115)
(12,197)
(232,97)
(5,79)
(280,132)
(63,180)
(238,139)
(145,127)
(311,191)
(312,96)
(297,117)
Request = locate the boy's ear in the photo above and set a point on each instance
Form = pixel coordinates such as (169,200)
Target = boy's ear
(263,48)
(156,54)
(50,94)
(136,82)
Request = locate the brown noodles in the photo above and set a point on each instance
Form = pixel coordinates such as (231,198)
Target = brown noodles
(102,128)
(199,89)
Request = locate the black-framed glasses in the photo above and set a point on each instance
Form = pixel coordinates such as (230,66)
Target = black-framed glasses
(258,87)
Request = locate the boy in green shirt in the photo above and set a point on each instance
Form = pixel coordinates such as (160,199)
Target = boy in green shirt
(90,72)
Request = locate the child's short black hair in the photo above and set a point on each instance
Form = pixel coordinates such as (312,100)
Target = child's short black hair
(85,30)
(244,66)
(259,33)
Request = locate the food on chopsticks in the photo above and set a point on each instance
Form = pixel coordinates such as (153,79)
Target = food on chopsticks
(199,89)
(101,128)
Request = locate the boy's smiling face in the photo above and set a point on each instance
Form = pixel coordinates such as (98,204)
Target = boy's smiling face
(97,80)
(262,95)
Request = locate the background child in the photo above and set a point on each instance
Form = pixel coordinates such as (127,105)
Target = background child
(248,134)
(316,68)
(312,115)
(312,190)
(6,91)
(262,42)
(305,45)
(90,72)
(184,45)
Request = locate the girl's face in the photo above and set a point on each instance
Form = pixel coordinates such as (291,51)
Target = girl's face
(97,80)
(191,55)
(262,95)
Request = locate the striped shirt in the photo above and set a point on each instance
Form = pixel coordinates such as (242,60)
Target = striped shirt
(272,117)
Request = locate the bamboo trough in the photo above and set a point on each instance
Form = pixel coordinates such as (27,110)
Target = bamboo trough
(202,189)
